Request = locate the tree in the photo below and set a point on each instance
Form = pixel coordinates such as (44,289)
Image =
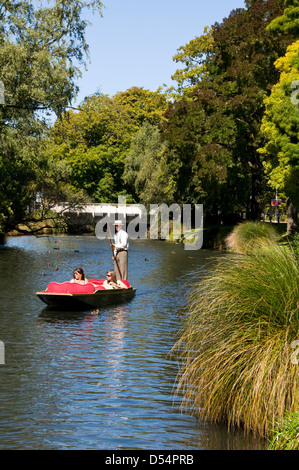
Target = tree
(244,64)
(238,72)
(288,23)
(145,168)
(95,141)
(142,105)
(41,50)
(280,123)
(194,56)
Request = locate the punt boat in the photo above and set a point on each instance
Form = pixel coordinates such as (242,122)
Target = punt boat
(68,295)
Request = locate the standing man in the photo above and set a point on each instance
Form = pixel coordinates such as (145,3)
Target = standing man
(121,246)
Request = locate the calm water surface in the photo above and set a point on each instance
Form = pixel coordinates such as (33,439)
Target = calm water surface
(80,380)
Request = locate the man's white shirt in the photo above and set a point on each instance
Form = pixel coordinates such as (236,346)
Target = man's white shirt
(121,241)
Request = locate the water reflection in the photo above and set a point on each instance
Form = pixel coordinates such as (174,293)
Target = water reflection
(96,379)
(114,348)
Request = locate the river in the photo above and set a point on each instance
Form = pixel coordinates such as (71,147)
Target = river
(97,380)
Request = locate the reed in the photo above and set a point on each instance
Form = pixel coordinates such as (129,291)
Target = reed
(247,236)
(286,433)
(235,343)
(293,240)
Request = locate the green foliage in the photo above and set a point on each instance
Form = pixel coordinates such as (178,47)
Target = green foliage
(280,123)
(142,105)
(194,56)
(206,148)
(40,44)
(247,236)
(96,171)
(17,176)
(294,242)
(144,167)
(229,70)
(95,141)
(285,435)
(197,154)
(288,23)
(98,122)
(281,127)
(39,47)
(235,343)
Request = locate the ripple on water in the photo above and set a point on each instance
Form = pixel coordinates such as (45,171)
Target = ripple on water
(106,381)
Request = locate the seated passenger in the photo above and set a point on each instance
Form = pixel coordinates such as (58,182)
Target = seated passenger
(79,276)
(112,283)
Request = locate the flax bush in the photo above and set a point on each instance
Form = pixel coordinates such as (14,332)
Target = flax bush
(235,344)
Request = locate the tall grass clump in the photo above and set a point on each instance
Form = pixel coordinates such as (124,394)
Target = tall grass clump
(294,243)
(247,236)
(235,343)
(286,433)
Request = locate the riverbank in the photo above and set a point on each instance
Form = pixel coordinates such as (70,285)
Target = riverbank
(243,321)
(214,237)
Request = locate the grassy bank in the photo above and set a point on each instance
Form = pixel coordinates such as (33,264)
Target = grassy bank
(286,433)
(235,344)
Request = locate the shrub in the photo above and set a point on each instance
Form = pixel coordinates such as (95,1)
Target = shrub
(247,236)
(235,343)
(293,240)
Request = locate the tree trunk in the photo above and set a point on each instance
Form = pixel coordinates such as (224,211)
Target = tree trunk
(292,226)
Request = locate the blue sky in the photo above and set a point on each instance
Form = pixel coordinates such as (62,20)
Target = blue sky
(134,42)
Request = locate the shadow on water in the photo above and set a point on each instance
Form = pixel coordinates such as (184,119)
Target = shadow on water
(52,315)
(97,378)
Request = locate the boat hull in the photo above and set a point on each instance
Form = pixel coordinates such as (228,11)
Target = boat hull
(100,298)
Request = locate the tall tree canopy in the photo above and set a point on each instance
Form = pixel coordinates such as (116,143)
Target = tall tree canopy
(42,45)
(230,117)
(229,72)
(145,169)
(281,120)
(95,141)
(194,56)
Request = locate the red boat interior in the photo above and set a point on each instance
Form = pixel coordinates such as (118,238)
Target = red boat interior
(74,288)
